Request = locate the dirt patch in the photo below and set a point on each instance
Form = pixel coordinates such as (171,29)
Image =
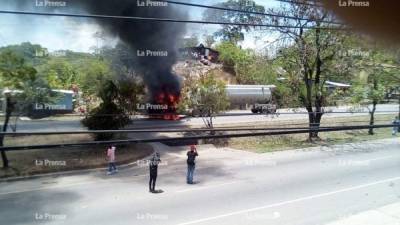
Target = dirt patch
(261,144)
(29,162)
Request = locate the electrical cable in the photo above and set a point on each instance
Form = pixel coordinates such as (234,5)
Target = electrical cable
(194,138)
(137,18)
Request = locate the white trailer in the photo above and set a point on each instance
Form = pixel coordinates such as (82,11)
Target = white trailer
(258,96)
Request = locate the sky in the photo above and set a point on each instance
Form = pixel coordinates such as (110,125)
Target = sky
(61,33)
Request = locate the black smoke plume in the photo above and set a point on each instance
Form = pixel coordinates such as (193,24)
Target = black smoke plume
(144,37)
(155,41)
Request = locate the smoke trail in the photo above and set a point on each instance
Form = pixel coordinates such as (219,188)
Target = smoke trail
(153,42)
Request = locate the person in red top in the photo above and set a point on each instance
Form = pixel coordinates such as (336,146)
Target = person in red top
(111,160)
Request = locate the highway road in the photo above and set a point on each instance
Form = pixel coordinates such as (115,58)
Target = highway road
(316,186)
(235,117)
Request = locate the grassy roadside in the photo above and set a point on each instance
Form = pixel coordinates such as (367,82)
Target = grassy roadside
(29,162)
(72,158)
(262,144)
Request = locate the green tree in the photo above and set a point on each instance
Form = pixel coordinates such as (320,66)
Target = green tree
(310,54)
(125,76)
(369,94)
(91,75)
(108,115)
(235,60)
(234,33)
(118,86)
(26,89)
(59,73)
(206,95)
(251,68)
(33,54)
(381,74)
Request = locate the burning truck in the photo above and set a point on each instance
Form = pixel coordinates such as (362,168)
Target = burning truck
(164,105)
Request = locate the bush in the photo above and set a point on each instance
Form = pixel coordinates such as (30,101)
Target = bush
(107,116)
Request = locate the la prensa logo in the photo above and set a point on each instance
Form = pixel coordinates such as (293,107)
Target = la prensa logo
(351,3)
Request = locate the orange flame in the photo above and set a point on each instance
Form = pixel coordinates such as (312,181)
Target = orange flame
(169,99)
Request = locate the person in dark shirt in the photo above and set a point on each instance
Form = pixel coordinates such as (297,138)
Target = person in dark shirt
(191,162)
(396,128)
(153,166)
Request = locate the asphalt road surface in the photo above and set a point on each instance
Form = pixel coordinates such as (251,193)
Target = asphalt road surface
(301,187)
(235,117)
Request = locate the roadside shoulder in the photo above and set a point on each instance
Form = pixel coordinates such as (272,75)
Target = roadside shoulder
(388,215)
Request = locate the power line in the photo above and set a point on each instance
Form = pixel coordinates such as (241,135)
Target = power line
(245,11)
(289,123)
(298,113)
(301,3)
(180,130)
(156,130)
(194,138)
(137,131)
(226,114)
(154,19)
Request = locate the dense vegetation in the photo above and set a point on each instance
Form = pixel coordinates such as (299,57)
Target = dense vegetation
(304,59)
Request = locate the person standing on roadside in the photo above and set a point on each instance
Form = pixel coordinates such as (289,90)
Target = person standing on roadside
(396,123)
(191,162)
(153,166)
(111,160)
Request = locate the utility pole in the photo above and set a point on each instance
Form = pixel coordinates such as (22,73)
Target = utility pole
(8,111)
